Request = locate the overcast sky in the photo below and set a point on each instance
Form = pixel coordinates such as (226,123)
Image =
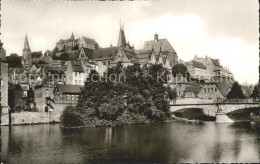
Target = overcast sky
(227,30)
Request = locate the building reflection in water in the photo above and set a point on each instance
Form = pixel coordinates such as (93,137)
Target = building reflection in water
(108,136)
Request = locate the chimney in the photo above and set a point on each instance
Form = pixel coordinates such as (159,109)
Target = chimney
(155,37)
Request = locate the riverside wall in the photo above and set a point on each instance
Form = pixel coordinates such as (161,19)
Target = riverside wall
(23,118)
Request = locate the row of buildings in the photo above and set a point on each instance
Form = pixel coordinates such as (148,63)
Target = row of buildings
(53,80)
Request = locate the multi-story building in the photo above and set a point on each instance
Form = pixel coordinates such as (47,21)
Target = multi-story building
(65,95)
(4,80)
(213,67)
(75,74)
(196,69)
(158,51)
(76,43)
(43,93)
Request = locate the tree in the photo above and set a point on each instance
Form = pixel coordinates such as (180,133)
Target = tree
(172,93)
(14,61)
(235,92)
(180,69)
(255,92)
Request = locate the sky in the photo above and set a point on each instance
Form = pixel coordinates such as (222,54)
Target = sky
(225,30)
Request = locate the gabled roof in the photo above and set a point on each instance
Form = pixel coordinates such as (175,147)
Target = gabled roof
(195,64)
(215,62)
(223,88)
(160,45)
(76,66)
(130,53)
(88,52)
(89,40)
(105,53)
(71,89)
(221,83)
(195,88)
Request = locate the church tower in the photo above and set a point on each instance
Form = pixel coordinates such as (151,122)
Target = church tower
(121,38)
(26,51)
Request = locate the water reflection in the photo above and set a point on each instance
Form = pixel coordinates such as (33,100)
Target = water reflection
(168,142)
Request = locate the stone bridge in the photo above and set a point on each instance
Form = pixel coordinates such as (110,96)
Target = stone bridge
(215,109)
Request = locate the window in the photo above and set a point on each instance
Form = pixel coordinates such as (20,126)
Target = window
(215,89)
(205,90)
(108,62)
(104,63)
(211,89)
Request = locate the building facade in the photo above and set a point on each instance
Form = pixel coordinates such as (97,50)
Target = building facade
(4,80)
(75,74)
(65,95)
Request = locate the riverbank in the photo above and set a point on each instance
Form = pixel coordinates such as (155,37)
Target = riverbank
(127,118)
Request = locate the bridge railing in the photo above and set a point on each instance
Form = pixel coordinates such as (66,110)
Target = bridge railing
(240,101)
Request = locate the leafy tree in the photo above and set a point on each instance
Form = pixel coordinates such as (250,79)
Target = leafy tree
(113,73)
(36,55)
(235,92)
(172,93)
(255,92)
(71,118)
(14,61)
(180,69)
(141,94)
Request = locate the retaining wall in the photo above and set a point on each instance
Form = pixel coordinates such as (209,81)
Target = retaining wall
(30,118)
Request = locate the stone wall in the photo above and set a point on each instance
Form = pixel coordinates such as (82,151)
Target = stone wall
(30,118)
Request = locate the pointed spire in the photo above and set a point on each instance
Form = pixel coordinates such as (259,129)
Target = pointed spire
(121,38)
(156,36)
(72,36)
(26,44)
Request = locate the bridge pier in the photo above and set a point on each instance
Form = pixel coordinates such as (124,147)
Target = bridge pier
(223,118)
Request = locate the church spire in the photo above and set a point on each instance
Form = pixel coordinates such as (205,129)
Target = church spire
(121,38)
(26,44)
(72,36)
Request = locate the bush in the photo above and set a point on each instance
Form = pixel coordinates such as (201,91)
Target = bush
(70,117)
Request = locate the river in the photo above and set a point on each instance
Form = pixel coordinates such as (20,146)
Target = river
(157,142)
